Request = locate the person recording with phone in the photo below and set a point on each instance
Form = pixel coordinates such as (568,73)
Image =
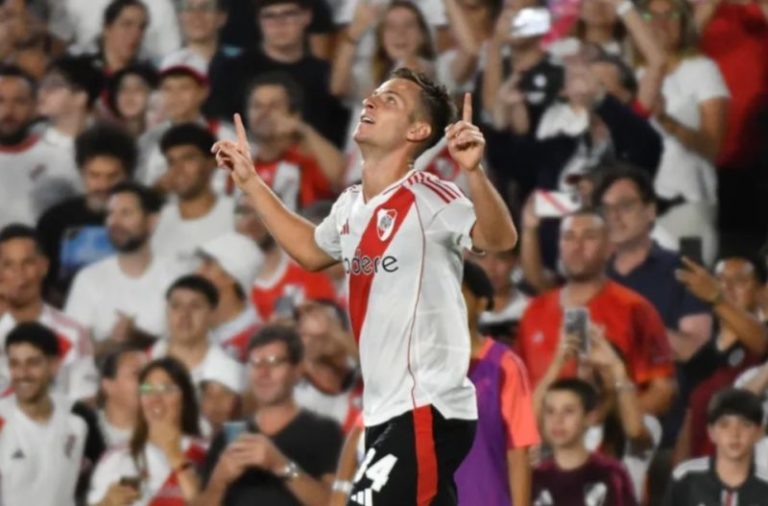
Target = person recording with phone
(282,455)
(631,323)
(738,339)
(618,427)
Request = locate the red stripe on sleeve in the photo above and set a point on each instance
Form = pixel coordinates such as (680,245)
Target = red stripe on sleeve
(445,187)
(426,460)
(440,192)
(370,248)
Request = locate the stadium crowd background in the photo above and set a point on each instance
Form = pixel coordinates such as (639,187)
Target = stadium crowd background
(630,141)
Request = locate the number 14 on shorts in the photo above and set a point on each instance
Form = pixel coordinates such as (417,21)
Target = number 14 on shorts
(378,474)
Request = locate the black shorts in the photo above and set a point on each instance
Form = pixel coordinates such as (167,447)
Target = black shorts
(410,460)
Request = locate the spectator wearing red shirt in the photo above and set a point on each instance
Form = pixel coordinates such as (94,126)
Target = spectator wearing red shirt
(299,164)
(735,35)
(280,282)
(631,323)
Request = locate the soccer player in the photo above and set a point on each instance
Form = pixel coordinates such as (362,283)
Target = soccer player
(399,235)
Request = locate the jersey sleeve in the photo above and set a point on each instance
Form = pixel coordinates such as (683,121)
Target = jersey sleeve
(652,356)
(328,233)
(517,404)
(453,221)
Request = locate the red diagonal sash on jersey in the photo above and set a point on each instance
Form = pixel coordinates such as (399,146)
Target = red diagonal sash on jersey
(64,346)
(372,246)
(170,493)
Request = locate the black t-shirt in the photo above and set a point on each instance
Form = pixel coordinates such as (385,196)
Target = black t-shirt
(696,483)
(94,448)
(73,236)
(229,83)
(312,441)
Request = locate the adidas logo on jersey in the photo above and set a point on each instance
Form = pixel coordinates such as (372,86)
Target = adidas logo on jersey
(18,455)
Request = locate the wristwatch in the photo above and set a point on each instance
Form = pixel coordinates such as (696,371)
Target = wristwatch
(289,472)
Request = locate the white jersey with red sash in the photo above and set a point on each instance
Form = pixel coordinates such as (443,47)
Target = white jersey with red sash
(402,252)
(77,377)
(40,462)
(160,483)
(234,336)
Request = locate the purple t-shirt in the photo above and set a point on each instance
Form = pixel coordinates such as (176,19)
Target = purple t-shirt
(601,481)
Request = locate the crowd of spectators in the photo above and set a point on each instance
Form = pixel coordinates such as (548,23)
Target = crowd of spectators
(157,346)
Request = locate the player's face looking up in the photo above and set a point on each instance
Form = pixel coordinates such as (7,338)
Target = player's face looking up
(31,371)
(392,116)
(22,269)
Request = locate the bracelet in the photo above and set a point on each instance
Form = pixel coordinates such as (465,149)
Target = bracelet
(343,486)
(290,472)
(187,464)
(624,7)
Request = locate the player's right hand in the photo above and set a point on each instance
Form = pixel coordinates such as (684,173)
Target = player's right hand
(236,156)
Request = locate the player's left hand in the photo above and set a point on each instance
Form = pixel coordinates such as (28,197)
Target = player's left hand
(466,143)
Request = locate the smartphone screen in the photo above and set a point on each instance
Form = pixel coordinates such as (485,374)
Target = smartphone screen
(576,323)
(691,247)
(232,430)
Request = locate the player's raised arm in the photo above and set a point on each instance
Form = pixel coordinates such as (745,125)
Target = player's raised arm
(292,232)
(494,229)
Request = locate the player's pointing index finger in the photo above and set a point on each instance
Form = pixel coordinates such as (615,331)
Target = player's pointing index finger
(466,113)
(242,137)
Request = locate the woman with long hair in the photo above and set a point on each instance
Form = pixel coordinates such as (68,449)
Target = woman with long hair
(164,454)
(692,121)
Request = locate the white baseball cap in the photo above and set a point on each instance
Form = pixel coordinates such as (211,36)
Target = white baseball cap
(221,368)
(185,61)
(237,255)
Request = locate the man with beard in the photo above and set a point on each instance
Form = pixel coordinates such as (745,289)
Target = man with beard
(35,176)
(48,445)
(73,232)
(281,283)
(124,292)
(22,268)
(631,323)
(197,215)
(298,163)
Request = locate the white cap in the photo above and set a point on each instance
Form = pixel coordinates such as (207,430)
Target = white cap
(237,255)
(222,368)
(185,61)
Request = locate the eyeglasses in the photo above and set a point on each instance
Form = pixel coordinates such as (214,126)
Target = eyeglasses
(621,207)
(164,389)
(665,16)
(270,362)
(274,16)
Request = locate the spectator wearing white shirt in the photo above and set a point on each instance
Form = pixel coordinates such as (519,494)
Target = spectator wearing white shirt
(119,394)
(47,445)
(22,268)
(191,303)
(196,214)
(65,97)
(124,292)
(183,90)
(231,262)
(692,122)
(35,176)
(79,22)
(160,464)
